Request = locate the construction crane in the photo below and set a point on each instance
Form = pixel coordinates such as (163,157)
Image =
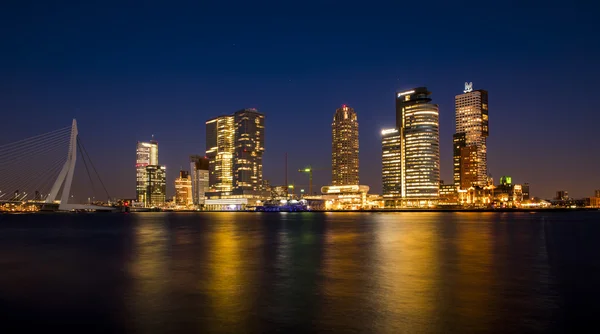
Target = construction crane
(309,171)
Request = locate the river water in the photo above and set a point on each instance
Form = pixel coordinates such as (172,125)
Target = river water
(422,272)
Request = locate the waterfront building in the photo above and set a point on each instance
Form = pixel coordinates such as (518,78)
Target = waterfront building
(156,190)
(344,147)
(183,190)
(146,154)
(562,195)
(220,135)
(234,148)
(595,201)
(200,175)
(470,140)
(465,162)
(449,194)
(417,119)
(249,148)
(346,197)
(526,195)
(391,166)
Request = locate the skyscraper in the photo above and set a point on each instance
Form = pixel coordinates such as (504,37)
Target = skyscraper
(220,135)
(183,189)
(156,189)
(249,147)
(234,148)
(199,167)
(344,150)
(391,164)
(417,119)
(146,154)
(472,127)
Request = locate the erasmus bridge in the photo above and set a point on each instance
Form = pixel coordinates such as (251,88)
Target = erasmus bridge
(39,171)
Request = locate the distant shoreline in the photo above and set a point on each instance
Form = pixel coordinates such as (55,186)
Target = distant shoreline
(504,210)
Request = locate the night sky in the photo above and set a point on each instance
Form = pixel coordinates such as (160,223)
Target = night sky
(128,71)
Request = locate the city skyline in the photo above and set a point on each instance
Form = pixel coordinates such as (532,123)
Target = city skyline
(167,78)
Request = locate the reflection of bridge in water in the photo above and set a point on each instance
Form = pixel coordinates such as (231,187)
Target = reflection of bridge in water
(35,171)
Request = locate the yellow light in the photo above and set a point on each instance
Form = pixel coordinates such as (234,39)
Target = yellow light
(307,170)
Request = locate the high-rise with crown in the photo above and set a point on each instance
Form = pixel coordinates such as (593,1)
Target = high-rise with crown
(146,155)
(417,120)
(470,139)
(344,147)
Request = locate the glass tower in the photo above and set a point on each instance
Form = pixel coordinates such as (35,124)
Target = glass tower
(146,154)
(220,132)
(417,119)
(391,163)
(249,147)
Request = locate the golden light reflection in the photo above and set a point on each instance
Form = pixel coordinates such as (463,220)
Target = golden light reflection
(234,264)
(408,273)
(149,269)
(474,276)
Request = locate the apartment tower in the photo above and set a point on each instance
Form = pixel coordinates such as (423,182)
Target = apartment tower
(344,150)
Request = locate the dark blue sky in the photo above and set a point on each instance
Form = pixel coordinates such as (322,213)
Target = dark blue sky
(128,70)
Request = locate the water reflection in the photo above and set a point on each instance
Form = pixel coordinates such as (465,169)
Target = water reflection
(149,271)
(407,273)
(301,272)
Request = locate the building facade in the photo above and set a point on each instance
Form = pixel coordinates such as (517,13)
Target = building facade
(146,154)
(234,148)
(391,163)
(156,189)
(249,148)
(220,138)
(344,150)
(200,175)
(417,119)
(183,189)
(472,130)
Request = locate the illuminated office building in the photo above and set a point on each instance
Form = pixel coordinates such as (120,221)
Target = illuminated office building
(200,174)
(220,135)
(417,119)
(391,163)
(234,148)
(146,154)
(470,140)
(344,151)
(249,144)
(156,190)
(183,189)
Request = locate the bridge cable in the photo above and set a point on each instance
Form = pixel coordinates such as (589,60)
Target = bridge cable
(93,167)
(86,167)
